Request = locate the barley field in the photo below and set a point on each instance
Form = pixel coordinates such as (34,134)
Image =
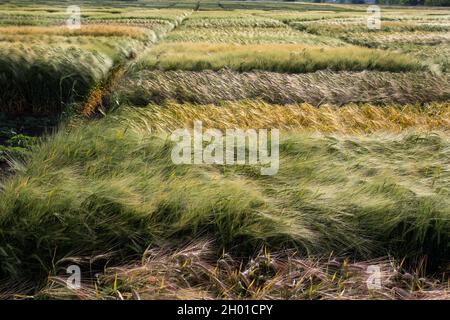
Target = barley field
(90,99)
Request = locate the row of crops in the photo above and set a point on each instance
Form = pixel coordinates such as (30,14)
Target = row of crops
(273,55)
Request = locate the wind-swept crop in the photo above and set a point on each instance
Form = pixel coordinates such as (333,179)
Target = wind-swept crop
(279,58)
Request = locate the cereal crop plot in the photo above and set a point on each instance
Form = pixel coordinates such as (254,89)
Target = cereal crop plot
(75,62)
(281,58)
(413,34)
(243,28)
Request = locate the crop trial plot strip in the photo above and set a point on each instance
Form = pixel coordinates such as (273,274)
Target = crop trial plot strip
(322,87)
